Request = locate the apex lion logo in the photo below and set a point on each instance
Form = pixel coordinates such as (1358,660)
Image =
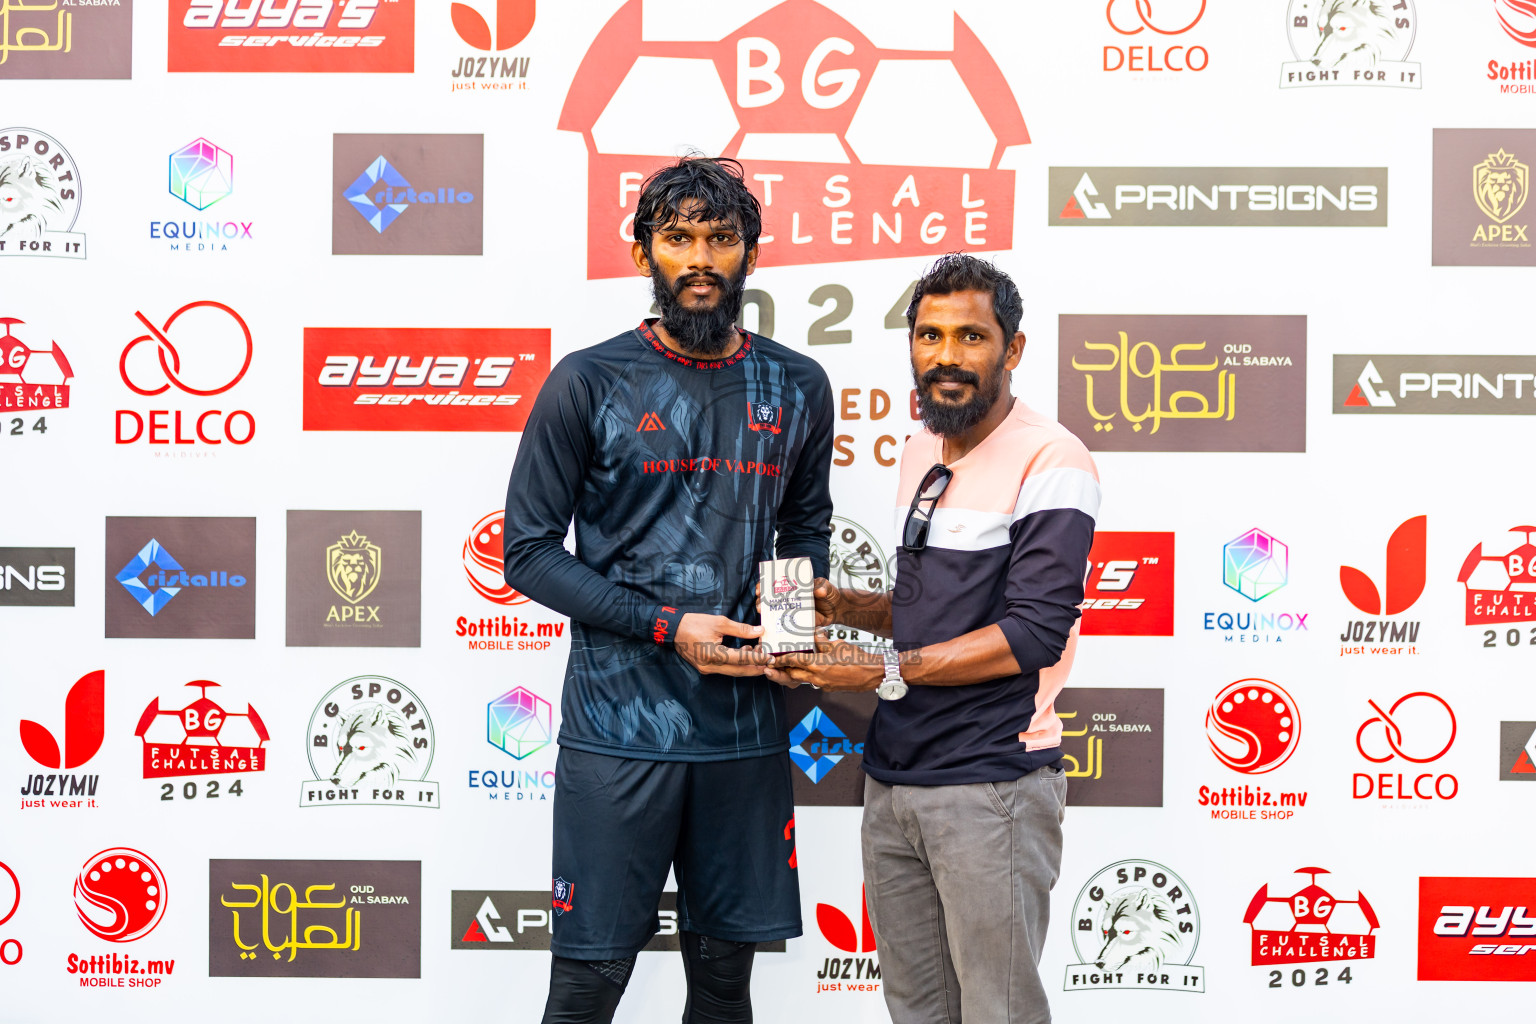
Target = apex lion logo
(1501,184)
(29,196)
(1138,929)
(353,566)
(374,746)
(1354,33)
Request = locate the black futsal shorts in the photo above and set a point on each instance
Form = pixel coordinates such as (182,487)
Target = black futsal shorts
(726,828)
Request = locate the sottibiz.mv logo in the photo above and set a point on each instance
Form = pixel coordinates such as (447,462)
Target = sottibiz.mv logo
(1129,591)
(1477,929)
(1402,583)
(422,378)
(814,111)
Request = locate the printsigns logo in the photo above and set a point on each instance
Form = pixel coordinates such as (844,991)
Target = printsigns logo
(214,564)
(1477,929)
(1136,926)
(514,20)
(84,728)
(1130,585)
(408,194)
(354,579)
(805,101)
(1482,181)
(370,743)
(469,379)
(1517,751)
(1418,728)
(1311,926)
(1112,746)
(489,920)
(1446,385)
(37,577)
(201,738)
(1501,588)
(40,196)
(356,919)
(1184,383)
(1351,42)
(1218,197)
(120,895)
(300,35)
(67,40)
(32,379)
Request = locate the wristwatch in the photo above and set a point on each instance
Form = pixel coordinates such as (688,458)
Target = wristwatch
(893,687)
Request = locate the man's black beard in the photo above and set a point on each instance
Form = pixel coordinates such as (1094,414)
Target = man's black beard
(700,330)
(951,419)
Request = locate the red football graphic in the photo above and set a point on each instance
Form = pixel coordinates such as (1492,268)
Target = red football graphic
(120,895)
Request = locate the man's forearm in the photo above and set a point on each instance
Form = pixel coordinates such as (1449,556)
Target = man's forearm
(866,609)
(976,657)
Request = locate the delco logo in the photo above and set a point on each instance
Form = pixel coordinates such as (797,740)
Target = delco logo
(813,111)
(1129,591)
(292,35)
(422,379)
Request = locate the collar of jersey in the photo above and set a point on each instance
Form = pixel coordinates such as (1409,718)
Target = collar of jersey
(648,337)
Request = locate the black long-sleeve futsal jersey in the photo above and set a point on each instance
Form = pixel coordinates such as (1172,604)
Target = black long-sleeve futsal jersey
(678,472)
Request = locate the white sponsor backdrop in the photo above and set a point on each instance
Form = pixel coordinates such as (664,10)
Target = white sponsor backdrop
(1363,290)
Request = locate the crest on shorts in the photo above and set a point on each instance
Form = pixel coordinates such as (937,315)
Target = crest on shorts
(561,894)
(765,416)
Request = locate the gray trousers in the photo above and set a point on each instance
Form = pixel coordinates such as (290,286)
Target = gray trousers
(958,882)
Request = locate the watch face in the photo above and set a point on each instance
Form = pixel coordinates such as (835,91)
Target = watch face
(894,689)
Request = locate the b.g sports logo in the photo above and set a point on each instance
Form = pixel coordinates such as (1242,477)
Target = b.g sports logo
(292,35)
(422,378)
(812,108)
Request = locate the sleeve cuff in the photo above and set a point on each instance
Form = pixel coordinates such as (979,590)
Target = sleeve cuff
(664,623)
(1029,652)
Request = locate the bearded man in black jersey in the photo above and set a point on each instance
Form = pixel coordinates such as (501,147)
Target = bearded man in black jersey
(686,450)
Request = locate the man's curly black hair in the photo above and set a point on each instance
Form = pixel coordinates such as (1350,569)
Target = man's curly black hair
(958,272)
(716,183)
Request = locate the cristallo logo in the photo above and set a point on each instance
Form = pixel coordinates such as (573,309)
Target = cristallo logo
(817,114)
